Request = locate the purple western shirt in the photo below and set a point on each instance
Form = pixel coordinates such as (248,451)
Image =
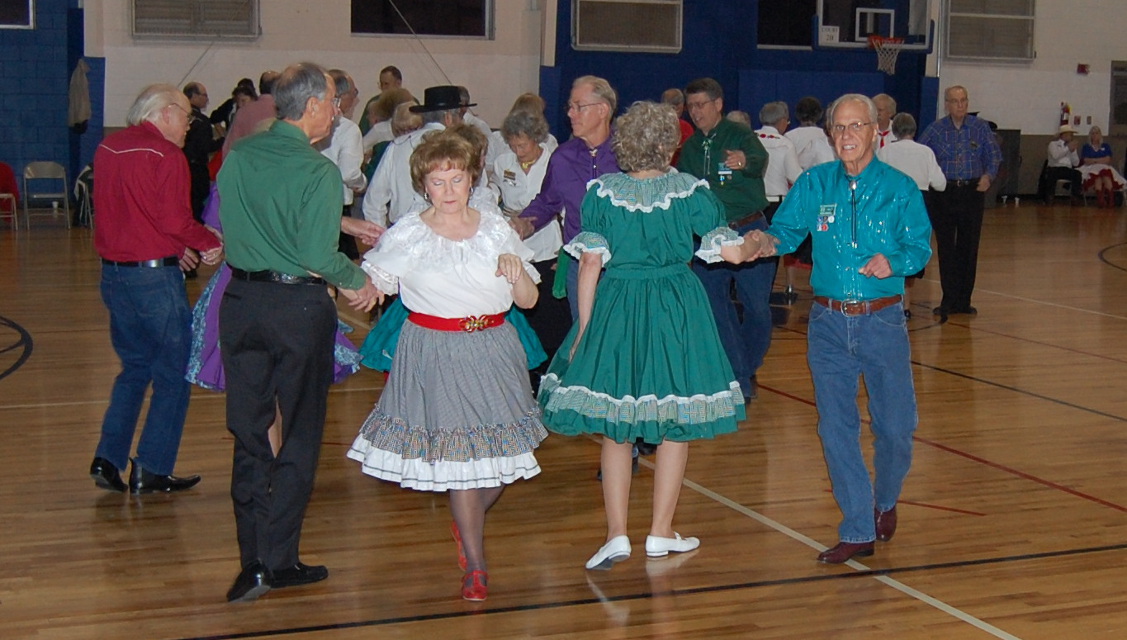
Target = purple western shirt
(571,167)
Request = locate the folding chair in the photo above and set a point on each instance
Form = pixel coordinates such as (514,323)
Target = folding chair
(45,181)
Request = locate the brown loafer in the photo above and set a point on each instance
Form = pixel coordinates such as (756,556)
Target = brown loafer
(844,551)
(886,523)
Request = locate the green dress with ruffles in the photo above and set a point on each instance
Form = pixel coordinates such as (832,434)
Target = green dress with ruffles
(650,364)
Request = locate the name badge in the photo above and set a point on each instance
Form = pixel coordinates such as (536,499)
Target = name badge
(723,173)
(510,177)
(826,216)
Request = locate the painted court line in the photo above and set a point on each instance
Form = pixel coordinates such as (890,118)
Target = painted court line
(810,542)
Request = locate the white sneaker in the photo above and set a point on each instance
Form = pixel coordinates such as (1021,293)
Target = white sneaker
(615,550)
(657,547)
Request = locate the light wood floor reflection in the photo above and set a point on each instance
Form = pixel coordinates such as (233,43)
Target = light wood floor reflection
(1013,522)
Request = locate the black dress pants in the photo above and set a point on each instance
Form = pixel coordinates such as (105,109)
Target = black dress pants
(956,218)
(277,346)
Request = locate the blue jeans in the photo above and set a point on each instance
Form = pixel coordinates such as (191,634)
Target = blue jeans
(842,348)
(745,342)
(150,327)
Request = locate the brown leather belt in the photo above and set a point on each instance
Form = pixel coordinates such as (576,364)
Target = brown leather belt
(755,217)
(857,307)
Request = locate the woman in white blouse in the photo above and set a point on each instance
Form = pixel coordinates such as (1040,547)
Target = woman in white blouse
(457,413)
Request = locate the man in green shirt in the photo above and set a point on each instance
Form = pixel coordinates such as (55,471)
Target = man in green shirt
(280,203)
(732,160)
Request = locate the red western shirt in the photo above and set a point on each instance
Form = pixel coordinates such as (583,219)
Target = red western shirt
(141,198)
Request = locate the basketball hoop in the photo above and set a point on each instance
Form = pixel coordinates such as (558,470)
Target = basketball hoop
(888,51)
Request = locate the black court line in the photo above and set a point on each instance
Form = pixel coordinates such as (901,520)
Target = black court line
(758,584)
(1103,257)
(25,342)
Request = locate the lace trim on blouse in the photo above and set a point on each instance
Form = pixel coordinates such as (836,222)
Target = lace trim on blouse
(712,241)
(647,194)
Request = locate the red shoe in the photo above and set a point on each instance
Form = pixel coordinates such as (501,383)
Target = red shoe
(461,550)
(475,586)
(845,551)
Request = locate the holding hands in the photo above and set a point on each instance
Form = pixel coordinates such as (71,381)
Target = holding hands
(364,298)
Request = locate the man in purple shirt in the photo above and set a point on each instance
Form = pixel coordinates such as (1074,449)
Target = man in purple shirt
(574,163)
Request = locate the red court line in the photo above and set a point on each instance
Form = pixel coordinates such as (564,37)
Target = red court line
(993,465)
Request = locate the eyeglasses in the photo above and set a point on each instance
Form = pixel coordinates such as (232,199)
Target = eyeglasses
(691,105)
(576,106)
(854,128)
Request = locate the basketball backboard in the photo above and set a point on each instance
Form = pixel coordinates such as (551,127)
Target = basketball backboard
(847,24)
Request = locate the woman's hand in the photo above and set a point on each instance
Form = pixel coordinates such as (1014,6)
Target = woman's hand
(511,267)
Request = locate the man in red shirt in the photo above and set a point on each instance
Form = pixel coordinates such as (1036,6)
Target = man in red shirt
(145,236)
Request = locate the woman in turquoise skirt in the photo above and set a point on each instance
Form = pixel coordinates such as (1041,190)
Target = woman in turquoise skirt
(644,360)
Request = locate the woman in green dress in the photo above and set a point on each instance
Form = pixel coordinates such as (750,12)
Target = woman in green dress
(644,360)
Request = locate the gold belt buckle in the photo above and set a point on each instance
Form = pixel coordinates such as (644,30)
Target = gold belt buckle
(472,323)
(853,307)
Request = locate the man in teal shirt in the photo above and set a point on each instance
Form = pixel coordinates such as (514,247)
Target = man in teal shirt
(732,160)
(870,230)
(280,203)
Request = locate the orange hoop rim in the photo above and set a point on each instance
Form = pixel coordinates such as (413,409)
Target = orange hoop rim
(878,42)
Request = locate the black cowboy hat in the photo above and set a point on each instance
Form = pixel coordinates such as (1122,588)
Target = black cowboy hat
(441,98)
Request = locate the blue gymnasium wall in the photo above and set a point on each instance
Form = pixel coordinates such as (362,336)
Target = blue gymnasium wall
(720,40)
(35,68)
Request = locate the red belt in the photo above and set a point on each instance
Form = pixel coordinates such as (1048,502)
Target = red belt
(857,307)
(469,324)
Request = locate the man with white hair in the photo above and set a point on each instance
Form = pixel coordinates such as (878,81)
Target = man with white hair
(886,108)
(145,236)
(870,229)
(782,158)
(345,148)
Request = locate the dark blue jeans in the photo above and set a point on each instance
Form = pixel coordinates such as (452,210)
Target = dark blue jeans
(842,349)
(150,327)
(745,342)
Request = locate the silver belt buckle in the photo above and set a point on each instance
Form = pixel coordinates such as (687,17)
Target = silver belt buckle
(854,308)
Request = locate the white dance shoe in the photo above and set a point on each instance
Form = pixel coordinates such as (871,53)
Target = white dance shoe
(615,550)
(658,547)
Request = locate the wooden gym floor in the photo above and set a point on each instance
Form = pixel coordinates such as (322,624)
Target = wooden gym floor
(1013,522)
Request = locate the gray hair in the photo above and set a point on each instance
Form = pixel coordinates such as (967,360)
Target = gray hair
(886,98)
(440,115)
(152,99)
(602,90)
(646,136)
(522,122)
(903,126)
(296,85)
(852,97)
(772,112)
(341,80)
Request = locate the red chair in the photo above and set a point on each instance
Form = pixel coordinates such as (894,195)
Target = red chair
(9,194)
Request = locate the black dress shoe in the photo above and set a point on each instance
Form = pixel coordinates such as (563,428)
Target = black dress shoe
(106,475)
(844,551)
(886,523)
(298,575)
(253,581)
(940,311)
(141,481)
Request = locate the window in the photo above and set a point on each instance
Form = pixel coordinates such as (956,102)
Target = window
(785,23)
(448,18)
(990,29)
(17,14)
(626,25)
(215,19)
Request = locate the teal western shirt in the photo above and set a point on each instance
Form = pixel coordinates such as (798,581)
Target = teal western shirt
(851,219)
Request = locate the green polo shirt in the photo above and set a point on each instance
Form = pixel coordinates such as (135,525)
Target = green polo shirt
(280,203)
(742,191)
